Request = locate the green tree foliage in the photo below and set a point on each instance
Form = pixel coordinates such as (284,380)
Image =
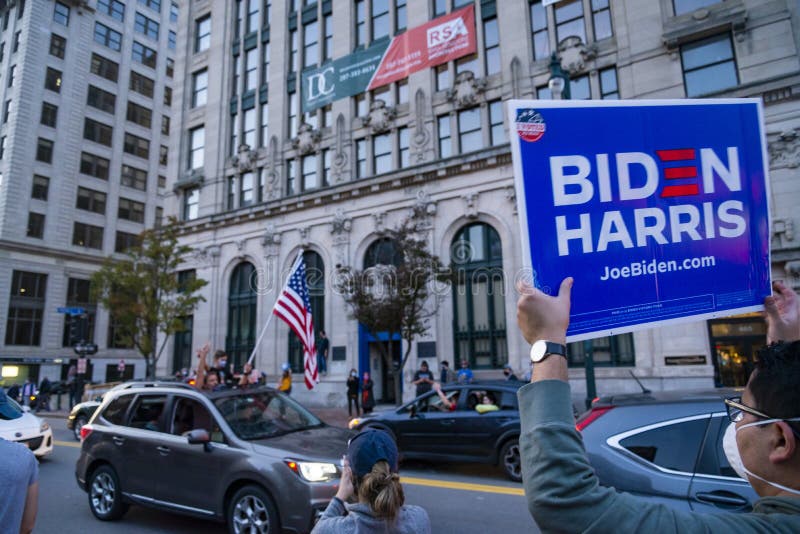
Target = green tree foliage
(398,296)
(143,292)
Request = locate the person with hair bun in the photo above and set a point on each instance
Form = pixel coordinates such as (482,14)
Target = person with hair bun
(370,475)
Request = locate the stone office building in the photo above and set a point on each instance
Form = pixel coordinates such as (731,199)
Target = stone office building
(85,89)
(258,181)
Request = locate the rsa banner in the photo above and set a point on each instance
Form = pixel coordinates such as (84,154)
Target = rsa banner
(440,40)
(658,209)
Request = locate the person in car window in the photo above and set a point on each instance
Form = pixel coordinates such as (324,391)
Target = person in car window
(448,404)
(370,475)
(763,442)
(486,405)
(208,379)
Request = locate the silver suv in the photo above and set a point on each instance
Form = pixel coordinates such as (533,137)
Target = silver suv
(253,458)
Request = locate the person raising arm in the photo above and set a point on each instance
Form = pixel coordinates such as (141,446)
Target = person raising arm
(561,488)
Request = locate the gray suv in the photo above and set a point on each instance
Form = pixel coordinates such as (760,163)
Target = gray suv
(253,458)
(666,446)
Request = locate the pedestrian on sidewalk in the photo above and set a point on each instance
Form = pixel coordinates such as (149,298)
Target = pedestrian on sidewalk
(352,393)
(285,384)
(28,391)
(465,373)
(446,374)
(367,398)
(370,475)
(43,400)
(423,379)
(19,473)
(322,353)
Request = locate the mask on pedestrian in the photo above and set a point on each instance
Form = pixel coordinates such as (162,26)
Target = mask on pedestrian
(354,374)
(735,459)
(223,363)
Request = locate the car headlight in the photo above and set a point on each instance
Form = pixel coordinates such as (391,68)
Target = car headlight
(353,423)
(44,426)
(313,471)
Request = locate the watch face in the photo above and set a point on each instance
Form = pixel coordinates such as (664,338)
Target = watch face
(538,350)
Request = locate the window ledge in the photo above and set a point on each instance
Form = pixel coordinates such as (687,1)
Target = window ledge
(190,178)
(727,16)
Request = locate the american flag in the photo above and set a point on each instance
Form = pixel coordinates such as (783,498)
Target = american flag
(294,307)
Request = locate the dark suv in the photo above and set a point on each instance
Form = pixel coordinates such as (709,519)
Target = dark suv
(668,447)
(425,429)
(254,458)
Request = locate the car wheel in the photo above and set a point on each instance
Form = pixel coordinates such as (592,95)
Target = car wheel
(510,460)
(251,510)
(105,495)
(76,429)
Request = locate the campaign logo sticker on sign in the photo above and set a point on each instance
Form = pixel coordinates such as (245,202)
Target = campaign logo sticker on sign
(658,209)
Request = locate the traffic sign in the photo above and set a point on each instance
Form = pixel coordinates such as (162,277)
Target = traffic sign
(71,311)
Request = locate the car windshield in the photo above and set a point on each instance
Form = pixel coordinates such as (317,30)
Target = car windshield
(264,415)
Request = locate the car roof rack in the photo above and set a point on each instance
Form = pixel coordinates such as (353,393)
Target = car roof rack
(155,384)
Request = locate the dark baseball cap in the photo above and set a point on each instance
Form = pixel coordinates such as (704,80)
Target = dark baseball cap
(368,448)
(8,409)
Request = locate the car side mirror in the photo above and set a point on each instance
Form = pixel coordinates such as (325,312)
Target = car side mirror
(198,436)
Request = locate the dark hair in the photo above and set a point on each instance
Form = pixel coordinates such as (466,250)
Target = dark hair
(423,362)
(382,490)
(444,362)
(214,372)
(219,354)
(775,382)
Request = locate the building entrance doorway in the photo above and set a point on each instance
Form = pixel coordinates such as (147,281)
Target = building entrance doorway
(735,343)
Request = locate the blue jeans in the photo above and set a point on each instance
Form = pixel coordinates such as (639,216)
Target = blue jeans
(322,364)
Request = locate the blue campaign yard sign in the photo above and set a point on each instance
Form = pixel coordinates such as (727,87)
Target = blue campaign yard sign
(658,209)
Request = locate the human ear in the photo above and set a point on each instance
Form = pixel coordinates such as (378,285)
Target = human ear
(784,444)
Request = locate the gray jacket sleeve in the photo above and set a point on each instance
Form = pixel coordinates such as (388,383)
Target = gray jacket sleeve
(334,520)
(564,494)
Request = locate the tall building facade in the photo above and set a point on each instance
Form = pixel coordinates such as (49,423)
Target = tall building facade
(86,90)
(258,180)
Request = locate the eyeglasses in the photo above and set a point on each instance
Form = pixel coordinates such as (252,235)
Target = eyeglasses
(736,410)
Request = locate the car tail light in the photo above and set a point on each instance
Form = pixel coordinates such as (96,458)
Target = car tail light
(590,417)
(85,431)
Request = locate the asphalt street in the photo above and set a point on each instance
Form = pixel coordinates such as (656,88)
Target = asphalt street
(463,499)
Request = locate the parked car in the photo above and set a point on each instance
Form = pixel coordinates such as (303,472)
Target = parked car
(29,430)
(424,429)
(668,447)
(253,458)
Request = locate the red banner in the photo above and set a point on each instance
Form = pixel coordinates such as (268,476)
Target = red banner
(439,41)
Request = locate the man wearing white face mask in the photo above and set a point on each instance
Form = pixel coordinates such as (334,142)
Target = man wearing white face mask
(764,445)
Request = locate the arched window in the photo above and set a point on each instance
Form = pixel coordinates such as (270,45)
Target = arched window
(382,252)
(315,278)
(479,318)
(242,300)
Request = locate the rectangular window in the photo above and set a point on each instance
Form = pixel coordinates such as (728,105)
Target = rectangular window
(231,193)
(87,235)
(442,77)
(97,131)
(569,20)
(123,241)
(601,16)
(249,128)
(6,111)
(612,351)
(197,142)
(144,55)
(90,200)
(199,88)
(445,140)
(327,159)
(58,46)
(380,19)
(709,65)
(159,217)
(152,4)
(170,67)
(133,177)
(688,6)
(234,134)
(162,181)
(382,153)
(291,176)
(11,70)
(146,26)
(105,68)
(139,115)
(579,88)
(35,225)
(491,44)
(79,295)
(163,155)
(15,46)
(173,12)
(608,84)
(361,23)
(293,51)
(141,84)
(294,105)
(327,26)
(496,129)
(100,99)
(191,201)
(264,124)
(94,165)
(202,34)
(541,40)
(26,308)
(264,63)
(130,210)
(469,130)
(165,125)
(360,105)
(44,150)
(113,8)
(107,37)
(251,69)
(49,114)
(247,190)
(252,15)
(137,146)
(310,179)
(403,142)
(400,15)
(41,185)
(2,146)
(61,14)
(167,96)
(469,63)
(361,158)
(310,44)
(52,79)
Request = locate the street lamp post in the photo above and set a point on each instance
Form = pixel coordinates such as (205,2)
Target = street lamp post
(559,89)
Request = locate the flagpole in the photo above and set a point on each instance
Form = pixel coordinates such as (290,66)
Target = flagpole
(269,317)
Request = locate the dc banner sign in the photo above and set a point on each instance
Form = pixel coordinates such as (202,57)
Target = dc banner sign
(436,42)
(658,209)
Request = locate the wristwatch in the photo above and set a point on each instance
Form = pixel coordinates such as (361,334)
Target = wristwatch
(542,349)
